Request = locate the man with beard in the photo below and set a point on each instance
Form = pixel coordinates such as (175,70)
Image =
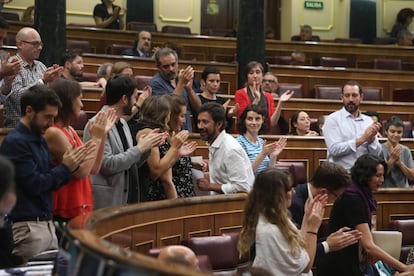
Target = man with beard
(36,177)
(171,80)
(117,182)
(29,45)
(142,46)
(72,63)
(348,133)
(230,170)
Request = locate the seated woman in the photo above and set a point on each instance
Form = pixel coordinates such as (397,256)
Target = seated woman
(254,94)
(300,124)
(281,248)
(399,159)
(261,155)
(354,210)
(403,21)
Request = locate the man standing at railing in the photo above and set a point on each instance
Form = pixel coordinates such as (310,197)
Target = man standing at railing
(170,79)
(29,45)
(348,133)
(230,170)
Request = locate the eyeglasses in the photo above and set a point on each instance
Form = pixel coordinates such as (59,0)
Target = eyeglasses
(271,81)
(33,43)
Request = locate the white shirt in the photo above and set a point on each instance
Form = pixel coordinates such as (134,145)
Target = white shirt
(229,165)
(341,129)
(273,251)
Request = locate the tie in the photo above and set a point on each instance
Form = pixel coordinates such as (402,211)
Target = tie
(121,133)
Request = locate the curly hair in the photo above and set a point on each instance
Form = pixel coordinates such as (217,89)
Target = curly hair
(268,198)
(365,167)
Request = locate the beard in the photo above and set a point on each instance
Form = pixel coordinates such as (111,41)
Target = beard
(351,107)
(127,109)
(34,126)
(171,75)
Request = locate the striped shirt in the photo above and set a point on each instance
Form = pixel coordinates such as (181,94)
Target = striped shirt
(253,151)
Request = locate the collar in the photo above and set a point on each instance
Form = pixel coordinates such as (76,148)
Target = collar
(25,131)
(346,114)
(219,140)
(309,191)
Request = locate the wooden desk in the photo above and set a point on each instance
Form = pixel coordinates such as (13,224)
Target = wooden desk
(146,67)
(309,150)
(223,49)
(134,229)
(309,76)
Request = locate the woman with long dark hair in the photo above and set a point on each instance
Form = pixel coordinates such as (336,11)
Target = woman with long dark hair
(354,210)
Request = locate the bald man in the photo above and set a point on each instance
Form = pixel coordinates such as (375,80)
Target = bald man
(179,254)
(29,45)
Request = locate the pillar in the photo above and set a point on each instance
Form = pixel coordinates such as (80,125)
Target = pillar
(50,22)
(250,35)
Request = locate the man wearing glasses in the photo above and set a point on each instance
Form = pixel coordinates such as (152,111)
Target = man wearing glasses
(29,45)
(331,179)
(170,79)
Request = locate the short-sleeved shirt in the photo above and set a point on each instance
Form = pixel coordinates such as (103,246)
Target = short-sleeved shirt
(348,210)
(101,11)
(396,178)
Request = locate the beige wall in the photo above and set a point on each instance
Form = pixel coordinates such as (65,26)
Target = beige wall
(328,23)
(333,20)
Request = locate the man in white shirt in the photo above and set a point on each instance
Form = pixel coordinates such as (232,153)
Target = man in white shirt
(230,170)
(348,133)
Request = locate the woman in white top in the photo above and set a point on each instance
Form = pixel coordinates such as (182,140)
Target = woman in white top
(281,248)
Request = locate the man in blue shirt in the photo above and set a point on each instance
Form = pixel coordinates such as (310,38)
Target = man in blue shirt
(36,177)
(171,80)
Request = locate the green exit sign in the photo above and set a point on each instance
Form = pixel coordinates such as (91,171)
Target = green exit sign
(315,5)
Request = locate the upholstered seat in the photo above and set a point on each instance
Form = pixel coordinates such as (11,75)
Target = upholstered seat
(328,92)
(296,169)
(221,251)
(282,60)
(81,122)
(334,62)
(116,49)
(387,64)
(141,26)
(92,77)
(83,45)
(297,87)
(10,16)
(372,93)
(403,95)
(406,227)
(176,29)
(142,81)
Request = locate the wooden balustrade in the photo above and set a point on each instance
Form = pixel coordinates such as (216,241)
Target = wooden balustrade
(134,229)
(223,49)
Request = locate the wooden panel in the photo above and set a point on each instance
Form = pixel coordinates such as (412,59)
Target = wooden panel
(169,233)
(123,239)
(144,238)
(229,222)
(199,226)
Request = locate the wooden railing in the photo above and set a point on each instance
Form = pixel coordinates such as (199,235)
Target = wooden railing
(134,229)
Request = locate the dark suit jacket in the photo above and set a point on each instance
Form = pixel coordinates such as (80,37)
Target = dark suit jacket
(297,209)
